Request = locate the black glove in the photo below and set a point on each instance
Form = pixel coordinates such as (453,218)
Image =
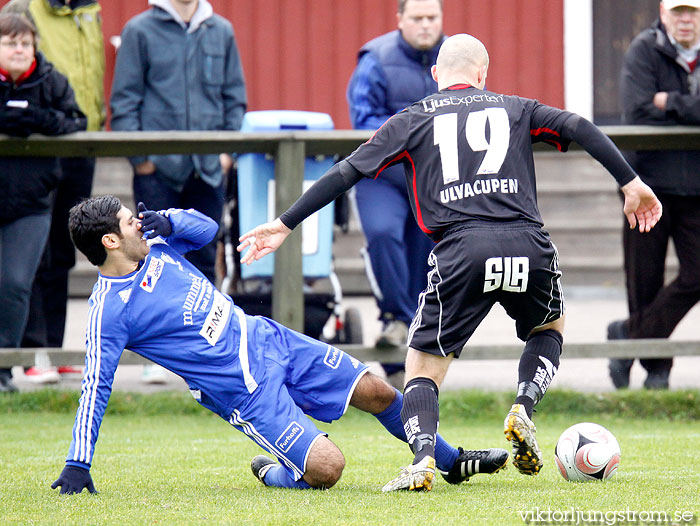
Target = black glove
(73,479)
(22,122)
(156,223)
(15,122)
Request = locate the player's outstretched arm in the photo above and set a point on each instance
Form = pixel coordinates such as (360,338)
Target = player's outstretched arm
(267,238)
(641,204)
(262,240)
(642,207)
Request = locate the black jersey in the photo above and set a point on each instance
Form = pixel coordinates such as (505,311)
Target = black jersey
(467,155)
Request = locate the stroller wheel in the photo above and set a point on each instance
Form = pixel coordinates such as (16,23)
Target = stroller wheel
(352,329)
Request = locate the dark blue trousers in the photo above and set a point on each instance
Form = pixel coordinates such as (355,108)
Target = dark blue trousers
(398,250)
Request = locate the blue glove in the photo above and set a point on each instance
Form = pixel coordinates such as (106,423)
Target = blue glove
(154,223)
(73,479)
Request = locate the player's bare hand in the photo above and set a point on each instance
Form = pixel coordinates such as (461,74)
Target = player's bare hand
(262,240)
(642,207)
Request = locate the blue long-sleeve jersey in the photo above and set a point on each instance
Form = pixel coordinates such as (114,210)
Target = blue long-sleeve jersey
(168,312)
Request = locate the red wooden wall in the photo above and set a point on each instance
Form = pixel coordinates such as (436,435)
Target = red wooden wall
(299,54)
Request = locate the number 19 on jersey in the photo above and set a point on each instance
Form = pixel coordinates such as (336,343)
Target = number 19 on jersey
(445,138)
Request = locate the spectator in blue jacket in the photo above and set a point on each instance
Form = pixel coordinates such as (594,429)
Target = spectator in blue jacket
(392,72)
(178,68)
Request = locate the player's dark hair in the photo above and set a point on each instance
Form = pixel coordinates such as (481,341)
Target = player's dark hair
(13,24)
(91,219)
(402,5)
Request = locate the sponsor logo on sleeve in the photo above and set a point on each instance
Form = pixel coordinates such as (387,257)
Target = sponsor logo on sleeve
(289,436)
(333,357)
(217,319)
(152,275)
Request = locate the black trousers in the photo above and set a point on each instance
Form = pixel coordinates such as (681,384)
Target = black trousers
(655,309)
(47,310)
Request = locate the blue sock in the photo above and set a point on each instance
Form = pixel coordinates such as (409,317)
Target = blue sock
(278,477)
(390,418)
(445,454)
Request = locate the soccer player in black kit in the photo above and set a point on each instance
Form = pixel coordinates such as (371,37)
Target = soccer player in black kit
(470,174)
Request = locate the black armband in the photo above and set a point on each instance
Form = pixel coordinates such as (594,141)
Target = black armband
(600,147)
(340,178)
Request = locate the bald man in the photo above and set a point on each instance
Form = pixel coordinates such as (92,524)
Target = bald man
(467,155)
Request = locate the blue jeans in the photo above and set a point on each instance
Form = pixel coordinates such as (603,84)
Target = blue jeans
(157,194)
(22,244)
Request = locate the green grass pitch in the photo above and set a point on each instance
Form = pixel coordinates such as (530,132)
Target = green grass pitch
(190,467)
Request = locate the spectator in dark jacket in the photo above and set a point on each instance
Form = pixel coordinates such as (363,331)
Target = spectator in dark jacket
(34,98)
(70,37)
(660,86)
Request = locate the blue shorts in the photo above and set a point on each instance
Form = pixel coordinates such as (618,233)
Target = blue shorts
(302,377)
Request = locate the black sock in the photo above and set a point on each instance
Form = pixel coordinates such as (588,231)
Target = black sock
(419,414)
(538,365)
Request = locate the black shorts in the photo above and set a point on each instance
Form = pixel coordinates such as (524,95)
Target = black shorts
(475,266)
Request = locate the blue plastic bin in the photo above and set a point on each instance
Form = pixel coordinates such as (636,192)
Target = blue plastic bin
(256,186)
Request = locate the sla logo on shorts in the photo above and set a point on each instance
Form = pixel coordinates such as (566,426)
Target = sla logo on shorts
(289,436)
(216,319)
(153,272)
(333,357)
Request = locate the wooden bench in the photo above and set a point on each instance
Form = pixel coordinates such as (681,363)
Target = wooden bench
(614,349)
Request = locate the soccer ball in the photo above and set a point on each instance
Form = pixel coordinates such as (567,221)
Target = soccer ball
(587,452)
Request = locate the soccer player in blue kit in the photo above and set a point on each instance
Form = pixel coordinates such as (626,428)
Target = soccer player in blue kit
(468,162)
(256,374)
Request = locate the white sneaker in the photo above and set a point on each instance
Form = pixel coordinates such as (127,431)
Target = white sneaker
(416,477)
(394,334)
(154,374)
(38,375)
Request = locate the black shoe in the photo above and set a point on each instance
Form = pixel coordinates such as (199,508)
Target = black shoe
(620,372)
(6,383)
(261,465)
(657,380)
(619,367)
(471,462)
